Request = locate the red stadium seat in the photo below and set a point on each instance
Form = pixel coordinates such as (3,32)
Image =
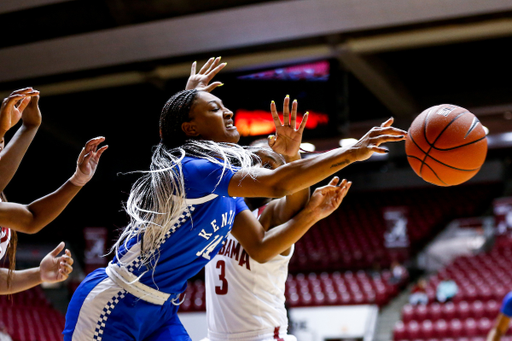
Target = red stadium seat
(455,328)
(440,329)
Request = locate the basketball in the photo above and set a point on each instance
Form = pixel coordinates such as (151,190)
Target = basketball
(446,145)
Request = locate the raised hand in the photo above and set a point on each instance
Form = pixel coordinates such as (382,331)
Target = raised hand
(288,138)
(370,142)
(326,199)
(200,80)
(31,116)
(88,161)
(56,269)
(13,107)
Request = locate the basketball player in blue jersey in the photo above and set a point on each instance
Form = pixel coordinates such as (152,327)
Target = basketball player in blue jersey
(182,209)
(503,321)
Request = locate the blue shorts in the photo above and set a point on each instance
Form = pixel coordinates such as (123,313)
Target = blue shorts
(101,310)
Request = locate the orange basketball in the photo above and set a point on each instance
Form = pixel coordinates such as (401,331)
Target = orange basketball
(446,145)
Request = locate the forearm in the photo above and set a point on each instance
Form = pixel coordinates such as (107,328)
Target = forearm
(11,156)
(292,177)
(282,237)
(47,208)
(21,280)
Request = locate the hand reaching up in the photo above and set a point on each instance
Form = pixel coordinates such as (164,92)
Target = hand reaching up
(13,107)
(288,138)
(200,80)
(88,161)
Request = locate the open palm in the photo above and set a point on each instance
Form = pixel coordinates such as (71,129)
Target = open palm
(288,138)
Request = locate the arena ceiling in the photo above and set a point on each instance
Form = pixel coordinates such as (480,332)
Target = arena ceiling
(409,54)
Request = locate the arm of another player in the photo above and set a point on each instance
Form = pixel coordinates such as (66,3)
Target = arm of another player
(263,246)
(304,173)
(12,154)
(52,269)
(503,320)
(33,217)
(287,143)
(499,329)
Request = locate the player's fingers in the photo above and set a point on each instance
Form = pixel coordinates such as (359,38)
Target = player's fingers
(216,62)
(212,86)
(388,122)
(379,150)
(387,131)
(24,103)
(206,66)
(271,140)
(99,152)
(58,249)
(334,181)
(286,110)
(303,123)
(12,100)
(22,91)
(386,138)
(193,69)
(275,115)
(293,118)
(67,259)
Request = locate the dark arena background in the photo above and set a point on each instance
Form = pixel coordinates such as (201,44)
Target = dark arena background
(106,68)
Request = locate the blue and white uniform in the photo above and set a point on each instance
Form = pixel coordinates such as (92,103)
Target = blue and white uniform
(506,305)
(135,302)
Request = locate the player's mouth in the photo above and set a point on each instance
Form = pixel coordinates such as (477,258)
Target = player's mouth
(230,126)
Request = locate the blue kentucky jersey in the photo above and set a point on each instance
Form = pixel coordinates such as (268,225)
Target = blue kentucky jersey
(506,306)
(199,234)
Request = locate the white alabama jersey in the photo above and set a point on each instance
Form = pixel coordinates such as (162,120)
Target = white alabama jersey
(244,297)
(5,237)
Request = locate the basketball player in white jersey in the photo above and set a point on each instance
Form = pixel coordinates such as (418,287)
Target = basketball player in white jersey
(245,298)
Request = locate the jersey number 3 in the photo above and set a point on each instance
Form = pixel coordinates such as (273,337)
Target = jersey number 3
(223,288)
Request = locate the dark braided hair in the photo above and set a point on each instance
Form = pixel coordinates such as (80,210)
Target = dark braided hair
(176,111)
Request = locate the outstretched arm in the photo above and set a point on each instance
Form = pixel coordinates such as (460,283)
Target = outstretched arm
(499,329)
(51,270)
(33,217)
(263,246)
(304,173)
(13,153)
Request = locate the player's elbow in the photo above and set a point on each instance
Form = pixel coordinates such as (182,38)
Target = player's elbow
(258,255)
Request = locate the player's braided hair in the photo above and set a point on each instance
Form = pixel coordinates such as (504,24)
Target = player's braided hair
(157,199)
(176,111)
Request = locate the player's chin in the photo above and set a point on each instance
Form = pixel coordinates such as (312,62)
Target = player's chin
(233,136)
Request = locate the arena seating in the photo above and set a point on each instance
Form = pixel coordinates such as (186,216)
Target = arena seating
(483,280)
(29,316)
(352,238)
(319,289)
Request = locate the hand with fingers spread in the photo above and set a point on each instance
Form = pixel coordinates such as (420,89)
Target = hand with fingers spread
(88,161)
(54,268)
(13,107)
(371,141)
(288,138)
(326,199)
(200,80)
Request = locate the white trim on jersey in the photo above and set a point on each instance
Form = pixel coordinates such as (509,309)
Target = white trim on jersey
(95,310)
(202,200)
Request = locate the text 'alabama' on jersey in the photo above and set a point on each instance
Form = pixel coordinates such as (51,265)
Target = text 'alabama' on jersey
(192,243)
(244,297)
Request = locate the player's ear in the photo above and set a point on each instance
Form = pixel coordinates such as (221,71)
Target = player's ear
(189,128)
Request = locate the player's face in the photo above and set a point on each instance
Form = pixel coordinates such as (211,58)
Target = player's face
(212,120)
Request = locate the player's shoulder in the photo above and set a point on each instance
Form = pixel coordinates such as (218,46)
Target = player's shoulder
(506,306)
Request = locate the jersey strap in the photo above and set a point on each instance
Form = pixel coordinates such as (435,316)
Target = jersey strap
(202,200)
(131,284)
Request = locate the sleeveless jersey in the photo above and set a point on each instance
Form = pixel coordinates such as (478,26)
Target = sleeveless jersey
(244,296)
(5,238)
(198,235)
